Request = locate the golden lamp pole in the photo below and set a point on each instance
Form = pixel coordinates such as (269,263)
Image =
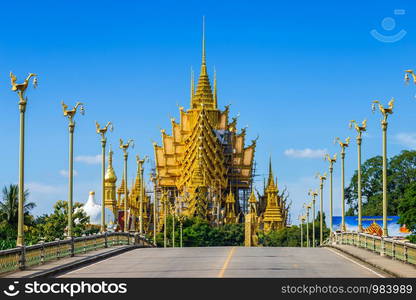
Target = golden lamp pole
(322,178)
(172,209)
(307,207)
(385,111)
(302,220)
(102,132)
(359,130)
(313,194)
(140,163)
(155,203)
(70,114)
(331,171)
(181,219)
(343,145)
(21,89)
(125,147)
(165,211)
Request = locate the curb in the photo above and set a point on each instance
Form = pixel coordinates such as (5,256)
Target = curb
(81,262)
(394,274)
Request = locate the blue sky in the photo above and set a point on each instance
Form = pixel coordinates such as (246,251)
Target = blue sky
(297,72)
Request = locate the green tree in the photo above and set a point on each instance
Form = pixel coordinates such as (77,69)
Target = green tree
(401,171)
(407,207)
(54,225)
(9,205)
(198,232)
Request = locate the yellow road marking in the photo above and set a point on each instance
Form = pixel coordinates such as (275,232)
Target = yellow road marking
(227,261)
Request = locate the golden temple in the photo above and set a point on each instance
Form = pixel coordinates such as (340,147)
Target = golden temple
(205,155)
(203,168)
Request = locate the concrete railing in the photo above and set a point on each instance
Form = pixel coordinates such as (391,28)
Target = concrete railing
(26,256)
(395,249)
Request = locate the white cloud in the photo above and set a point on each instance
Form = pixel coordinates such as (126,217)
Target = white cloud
(406,139)
(64,173)
(36,187)
(89,159)
(305,153)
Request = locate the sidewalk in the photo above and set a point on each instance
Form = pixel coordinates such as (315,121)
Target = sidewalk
(56,266)
(384,263)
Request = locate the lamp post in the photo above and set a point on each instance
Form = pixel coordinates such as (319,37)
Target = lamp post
(407,78)
(125,147)
(102,132)
(165,211)
(359,130)
(307,206)
(21,89)
(331,171)
(302,219)
(154,179)
(313,194)
(70,114)
(343,145)
(181,219)
(140,163)
(172,209)
(385,111)
(322,178)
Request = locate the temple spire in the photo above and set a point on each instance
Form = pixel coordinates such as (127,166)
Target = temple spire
(204,62)
(270,181)
(215,88)
(270,170)
(192,84)
(203,94)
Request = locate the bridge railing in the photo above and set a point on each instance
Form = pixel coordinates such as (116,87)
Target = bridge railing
(396,249)
(26,256)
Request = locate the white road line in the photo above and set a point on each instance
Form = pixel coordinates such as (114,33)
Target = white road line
(351,260)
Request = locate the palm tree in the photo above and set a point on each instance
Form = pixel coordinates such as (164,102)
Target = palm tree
(9,205)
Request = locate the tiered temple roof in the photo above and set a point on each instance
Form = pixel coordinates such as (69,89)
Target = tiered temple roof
(204,151)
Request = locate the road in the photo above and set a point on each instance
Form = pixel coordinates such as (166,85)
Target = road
(226,262)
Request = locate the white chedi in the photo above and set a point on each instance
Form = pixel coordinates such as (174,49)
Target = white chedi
(92,209)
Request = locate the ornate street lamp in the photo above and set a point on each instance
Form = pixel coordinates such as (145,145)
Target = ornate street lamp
(21,89)
(181,219)
(331,170)
(165,211)
(140,163)
(155,203)
(307,207)
(313,194)
(385,111)
(359,130)
(302,220)
(70,114)
(407,77)
(125,147)
(343,145)
(322,178)
(102,132)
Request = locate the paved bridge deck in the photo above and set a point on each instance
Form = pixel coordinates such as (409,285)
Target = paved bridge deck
(227,262)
